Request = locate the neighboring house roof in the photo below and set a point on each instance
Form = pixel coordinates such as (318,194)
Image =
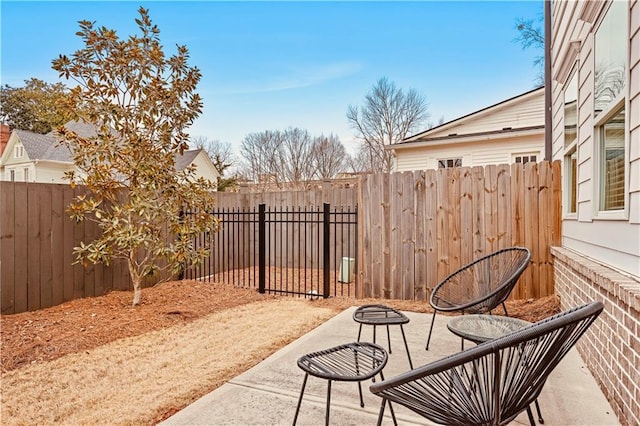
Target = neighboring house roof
(187,157)
(487,121)
(46,147)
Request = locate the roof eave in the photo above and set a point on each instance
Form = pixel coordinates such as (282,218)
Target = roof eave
(465,138)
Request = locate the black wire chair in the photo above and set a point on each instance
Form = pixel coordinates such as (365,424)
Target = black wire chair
(480,286)
(492,383)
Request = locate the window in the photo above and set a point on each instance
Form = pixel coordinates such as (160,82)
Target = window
(449,163)
(12,173)
(26,174)
(525,158)
(612,162)
(609,106)
(18,152)
(570,142)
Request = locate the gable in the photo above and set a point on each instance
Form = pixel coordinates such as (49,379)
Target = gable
(521,112)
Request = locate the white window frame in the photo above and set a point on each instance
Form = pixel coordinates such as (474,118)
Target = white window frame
(621,101)
(443,163)
(18,151)
(571,150)
(25,172)
(522,155)
(12,175)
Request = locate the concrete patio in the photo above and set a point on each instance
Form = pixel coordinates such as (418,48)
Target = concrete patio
(268,393)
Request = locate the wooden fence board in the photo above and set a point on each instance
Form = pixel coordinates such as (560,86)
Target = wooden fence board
(408,254)
(504,206)
(466,216)
(385,186)
(420,285)
(395,243)
(431,228)
(33,248)
(21,247)
(7,240)
(57,243)
(45,263)
(454,219)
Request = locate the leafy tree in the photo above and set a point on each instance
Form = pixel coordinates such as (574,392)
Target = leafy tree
(34,107)
(530,35)
(328,155)
(388,116)
(140,103)
(222,156)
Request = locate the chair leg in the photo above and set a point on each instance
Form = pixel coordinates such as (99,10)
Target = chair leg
(405,346)
(505,309)
(359,332)
(304,383)
(381,414)
(326,416)
(430,330)
(360,392)
(530,415)
(540,419)
(393,414)
(388,338)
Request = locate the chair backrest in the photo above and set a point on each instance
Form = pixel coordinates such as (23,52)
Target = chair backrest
(495,381)
(483,284)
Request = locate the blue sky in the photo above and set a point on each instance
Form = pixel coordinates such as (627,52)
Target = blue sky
(272,65)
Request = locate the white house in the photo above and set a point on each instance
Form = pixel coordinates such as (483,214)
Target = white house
(593,48)
(507,132)
(32,157)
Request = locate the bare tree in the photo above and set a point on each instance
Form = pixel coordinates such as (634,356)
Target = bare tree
(329,156)
(261,154)
(530,35)
(388,116)
(296,161)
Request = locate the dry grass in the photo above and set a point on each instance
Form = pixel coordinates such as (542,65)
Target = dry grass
(99,361)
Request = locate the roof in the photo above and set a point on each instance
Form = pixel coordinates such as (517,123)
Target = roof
(187,157)
(439,132)
(46,147)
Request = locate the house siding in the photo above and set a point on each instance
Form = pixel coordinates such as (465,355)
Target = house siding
(583,231)
(526,113)
(475,153)
(600,257)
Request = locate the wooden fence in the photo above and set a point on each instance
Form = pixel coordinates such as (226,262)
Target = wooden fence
(37,237)
(414,228)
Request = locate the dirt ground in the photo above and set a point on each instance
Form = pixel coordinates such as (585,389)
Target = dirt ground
(86,361)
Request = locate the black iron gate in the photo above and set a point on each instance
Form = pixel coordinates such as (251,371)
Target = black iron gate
(308,252)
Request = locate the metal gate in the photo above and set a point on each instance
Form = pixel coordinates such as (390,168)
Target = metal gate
(309,252)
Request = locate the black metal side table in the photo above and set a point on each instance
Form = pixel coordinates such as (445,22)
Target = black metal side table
(351,362)
(382,315)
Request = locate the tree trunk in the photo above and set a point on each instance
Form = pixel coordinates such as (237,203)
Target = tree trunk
(136,280)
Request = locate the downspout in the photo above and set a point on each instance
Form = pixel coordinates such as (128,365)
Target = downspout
(548,125)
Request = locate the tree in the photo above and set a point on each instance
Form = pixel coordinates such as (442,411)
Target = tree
(388,116)
(222,157)
(329,156)
(261,153)
(140,103)
(34,107)
(531,36)
(295,156)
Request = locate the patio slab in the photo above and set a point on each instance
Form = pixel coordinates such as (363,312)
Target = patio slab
(267,394)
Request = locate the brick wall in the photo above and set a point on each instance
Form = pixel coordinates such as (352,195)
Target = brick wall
(611,347)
